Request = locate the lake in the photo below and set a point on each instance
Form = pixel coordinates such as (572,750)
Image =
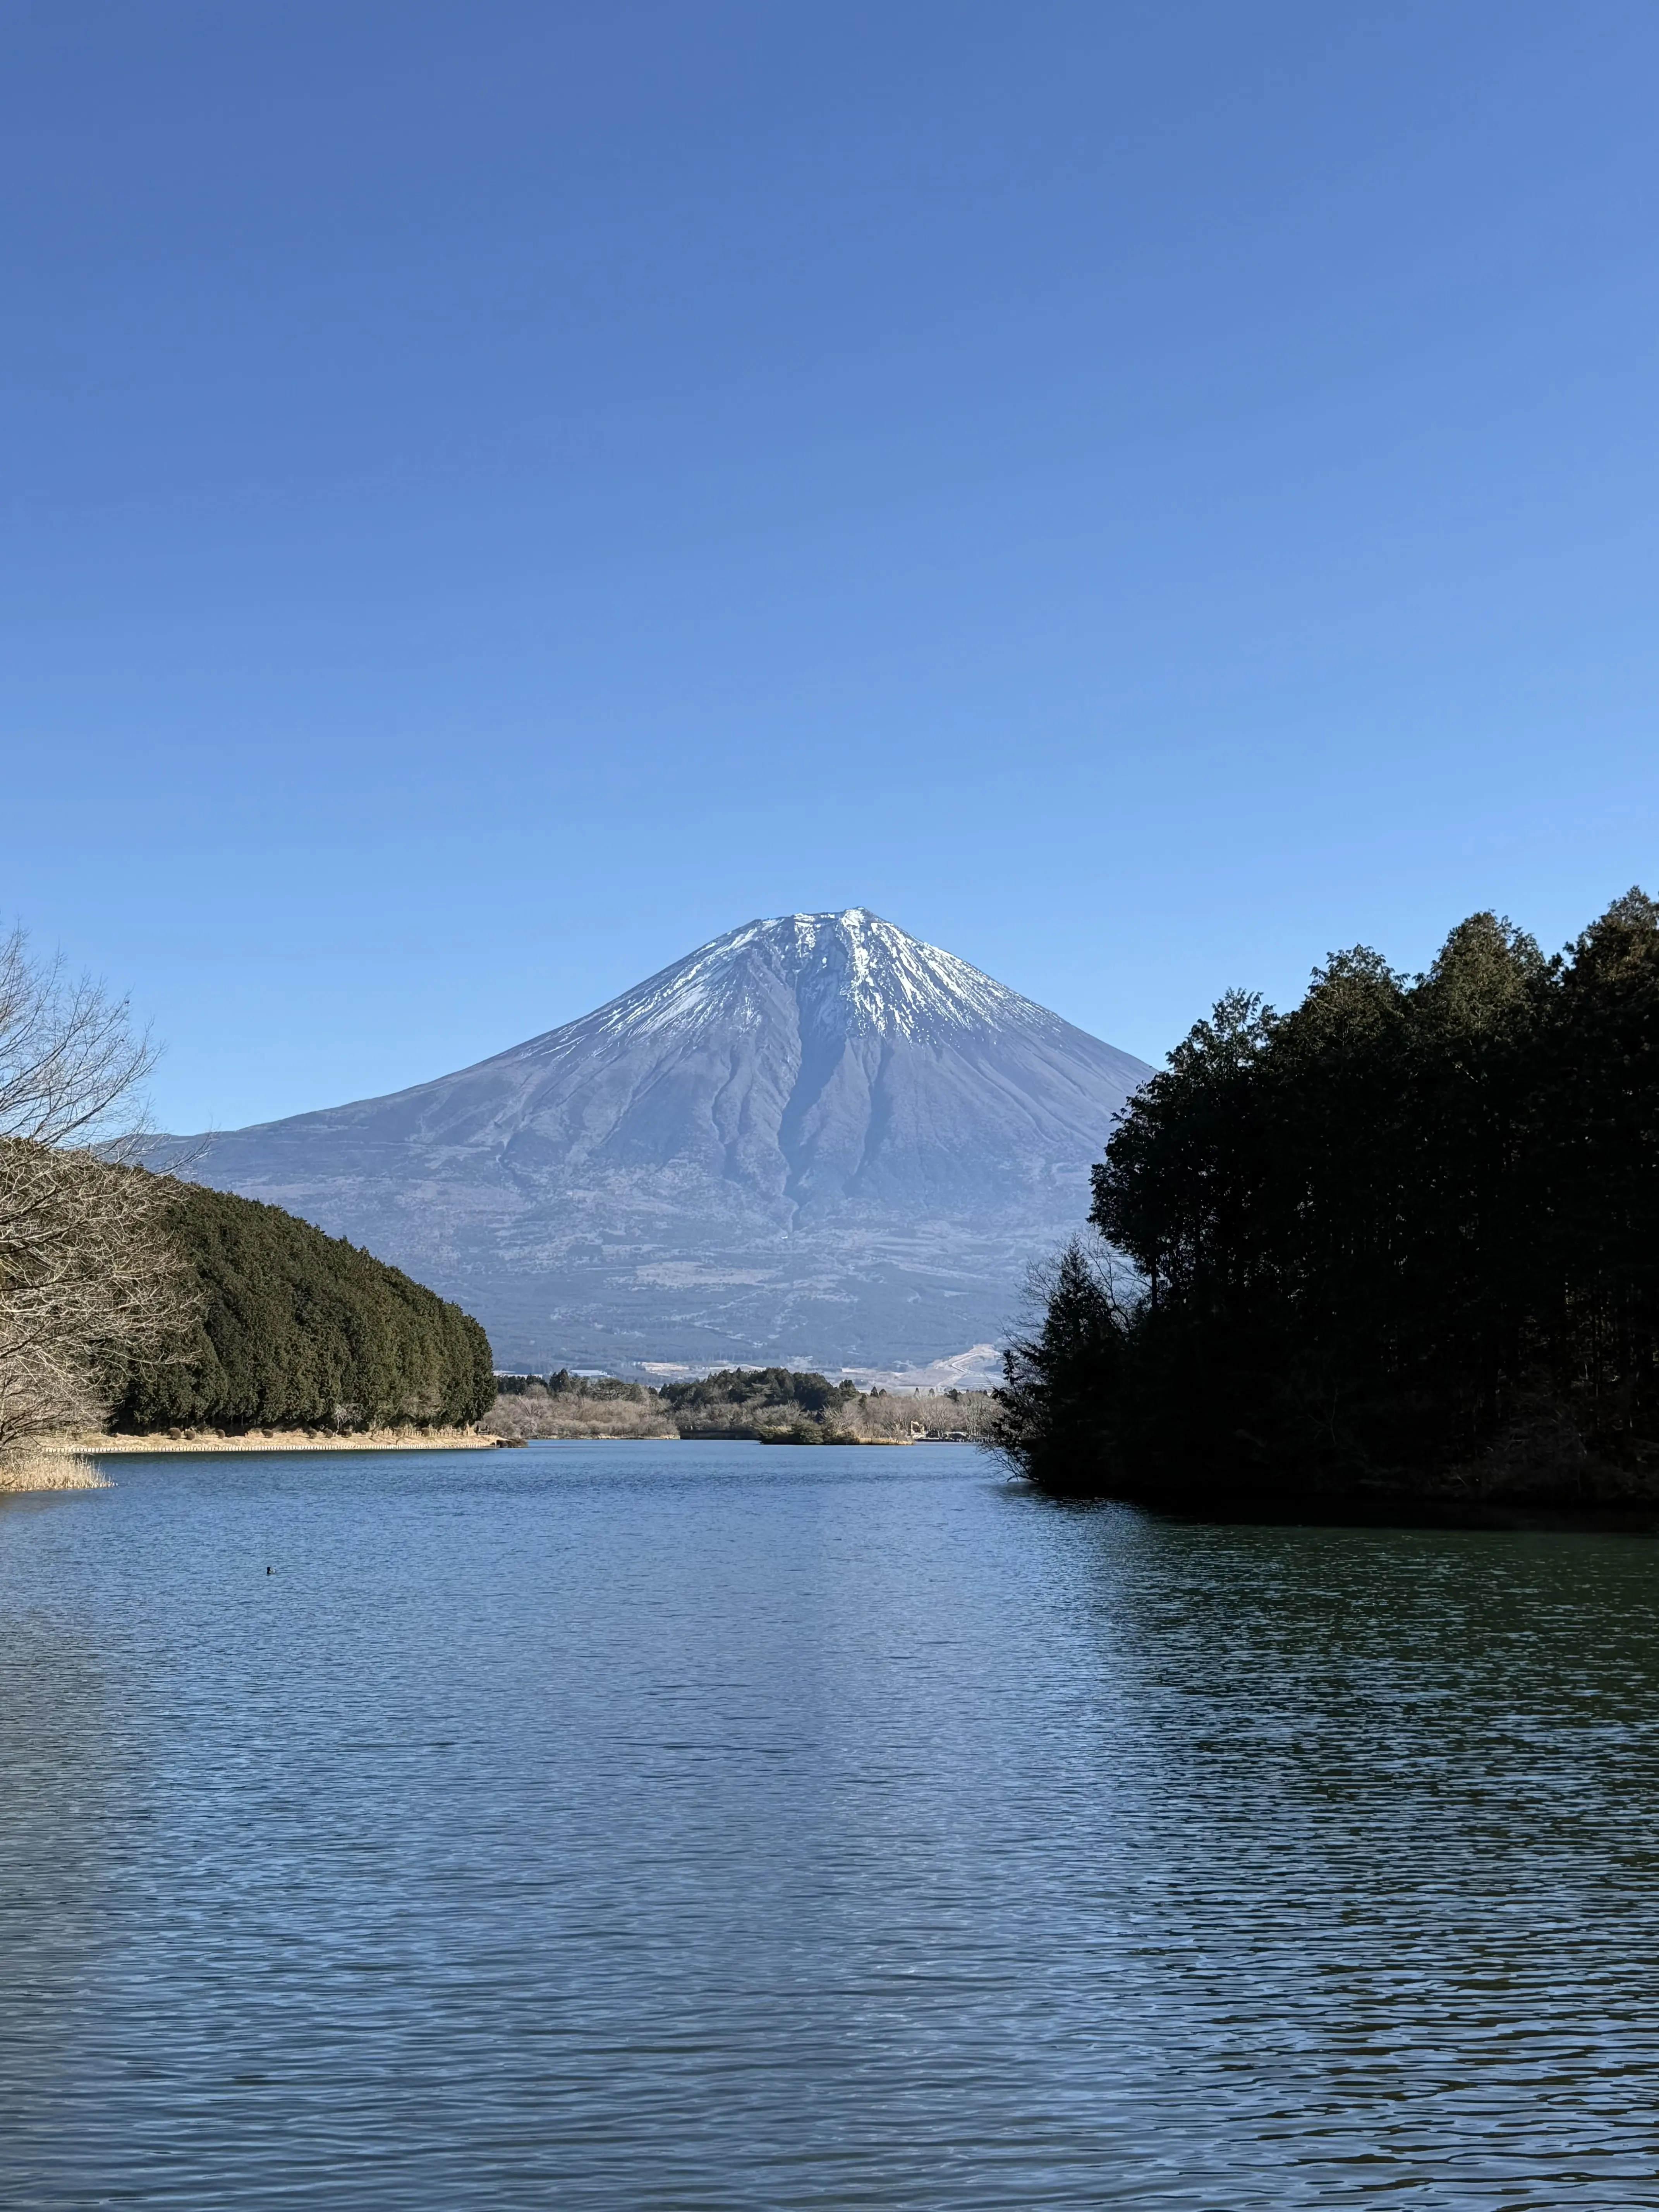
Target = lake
(709,1826)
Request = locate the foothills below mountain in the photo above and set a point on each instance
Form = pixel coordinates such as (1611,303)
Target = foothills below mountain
(816,1142)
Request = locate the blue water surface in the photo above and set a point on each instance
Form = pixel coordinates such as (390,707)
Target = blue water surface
(712,1826)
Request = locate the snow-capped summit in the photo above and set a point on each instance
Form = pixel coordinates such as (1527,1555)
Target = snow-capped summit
(850,972)
(827,975)
(815,1138)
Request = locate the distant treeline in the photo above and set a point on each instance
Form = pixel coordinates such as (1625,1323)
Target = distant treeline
(771,1405)
(294,1329)
(760,1389)
(756,1388)
(1405,1237)
(564,1383)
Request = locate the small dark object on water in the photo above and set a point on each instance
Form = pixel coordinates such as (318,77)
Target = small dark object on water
(267,1570)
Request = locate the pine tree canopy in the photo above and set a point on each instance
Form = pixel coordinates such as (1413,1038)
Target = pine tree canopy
(297,1329)
(1405,1234)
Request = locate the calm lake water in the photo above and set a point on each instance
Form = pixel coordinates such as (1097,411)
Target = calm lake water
(705,1825)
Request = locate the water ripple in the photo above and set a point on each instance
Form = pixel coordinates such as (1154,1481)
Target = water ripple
(700,1827)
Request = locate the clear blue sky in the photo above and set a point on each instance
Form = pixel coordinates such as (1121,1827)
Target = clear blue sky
(494,495)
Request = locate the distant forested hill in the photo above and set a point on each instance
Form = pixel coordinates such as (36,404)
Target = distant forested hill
(300,1330)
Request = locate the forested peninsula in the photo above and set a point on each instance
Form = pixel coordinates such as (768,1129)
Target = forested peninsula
(289,1328)
(1401,1242)
(136,1302)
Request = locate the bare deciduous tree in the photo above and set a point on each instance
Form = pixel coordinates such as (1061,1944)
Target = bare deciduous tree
(89,1286)
(68,1059)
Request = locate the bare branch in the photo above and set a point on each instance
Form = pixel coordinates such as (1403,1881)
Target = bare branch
(90,1285)
(68,1054)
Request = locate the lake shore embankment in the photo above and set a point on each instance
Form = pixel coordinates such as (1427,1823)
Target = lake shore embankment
(274,1440)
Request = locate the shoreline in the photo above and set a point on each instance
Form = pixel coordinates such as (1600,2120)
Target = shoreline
(92,1445)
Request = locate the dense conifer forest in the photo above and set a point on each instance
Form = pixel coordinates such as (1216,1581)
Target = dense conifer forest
(1403,1239)
(297,1330)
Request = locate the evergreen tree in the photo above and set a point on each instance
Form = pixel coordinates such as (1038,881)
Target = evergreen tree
(296,1329)
(1376,1236)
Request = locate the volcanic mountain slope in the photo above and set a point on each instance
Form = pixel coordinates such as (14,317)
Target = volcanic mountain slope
(816,1139)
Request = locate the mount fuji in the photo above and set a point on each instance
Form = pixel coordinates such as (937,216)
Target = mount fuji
(815,1140)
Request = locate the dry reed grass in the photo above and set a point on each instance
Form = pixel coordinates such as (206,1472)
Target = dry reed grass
(574,1417)
(33,1469)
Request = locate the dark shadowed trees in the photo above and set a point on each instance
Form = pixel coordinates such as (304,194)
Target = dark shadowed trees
(1406,1233)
